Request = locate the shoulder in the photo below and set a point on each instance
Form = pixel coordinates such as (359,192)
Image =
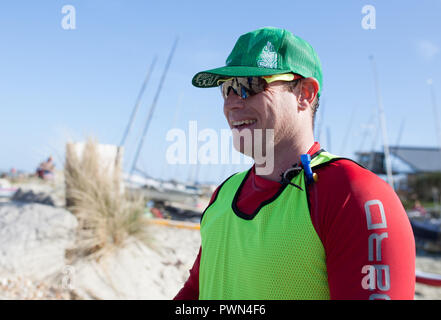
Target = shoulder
(344,167)
(349,199)
(347,175)
(237,176)
(346,195)
(349,188)
(351,207)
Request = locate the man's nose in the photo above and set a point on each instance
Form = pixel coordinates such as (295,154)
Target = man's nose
(233,101)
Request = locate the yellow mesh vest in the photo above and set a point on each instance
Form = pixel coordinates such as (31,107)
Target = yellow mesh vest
(275,254)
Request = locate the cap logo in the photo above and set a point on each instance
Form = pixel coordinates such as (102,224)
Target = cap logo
(268,57)
(206,79)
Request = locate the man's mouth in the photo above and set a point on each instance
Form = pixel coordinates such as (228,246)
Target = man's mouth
(242,124)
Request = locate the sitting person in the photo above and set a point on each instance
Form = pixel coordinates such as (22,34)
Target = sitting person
(46,169)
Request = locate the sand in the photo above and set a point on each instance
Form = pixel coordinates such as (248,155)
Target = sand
(432,264)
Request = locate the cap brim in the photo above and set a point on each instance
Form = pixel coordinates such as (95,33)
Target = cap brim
(210,78)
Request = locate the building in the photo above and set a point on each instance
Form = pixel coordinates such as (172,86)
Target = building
(405,160)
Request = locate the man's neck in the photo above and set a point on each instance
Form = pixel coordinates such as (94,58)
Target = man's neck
(285,156)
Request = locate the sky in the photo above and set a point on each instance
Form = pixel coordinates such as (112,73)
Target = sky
(59,85)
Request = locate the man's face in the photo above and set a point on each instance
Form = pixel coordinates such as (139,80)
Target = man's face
(275,108)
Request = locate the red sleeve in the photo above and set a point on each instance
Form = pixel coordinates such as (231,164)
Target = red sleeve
(368,240)
(190,290)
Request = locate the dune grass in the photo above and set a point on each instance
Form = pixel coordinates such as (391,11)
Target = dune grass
(107,216)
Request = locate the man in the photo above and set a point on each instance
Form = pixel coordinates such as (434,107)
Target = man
(46,169)
(328,229)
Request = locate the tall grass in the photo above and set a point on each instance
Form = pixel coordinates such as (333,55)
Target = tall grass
(106,216)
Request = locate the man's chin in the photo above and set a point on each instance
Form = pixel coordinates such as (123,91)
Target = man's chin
(246,150)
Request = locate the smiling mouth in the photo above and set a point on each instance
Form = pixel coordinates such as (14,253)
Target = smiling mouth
(242,123)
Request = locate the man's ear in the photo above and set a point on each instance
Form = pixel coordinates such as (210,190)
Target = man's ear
(308,92)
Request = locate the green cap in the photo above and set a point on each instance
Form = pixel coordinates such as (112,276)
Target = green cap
(263,52)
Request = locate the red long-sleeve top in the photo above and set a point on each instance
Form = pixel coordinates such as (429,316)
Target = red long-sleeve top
(367,237)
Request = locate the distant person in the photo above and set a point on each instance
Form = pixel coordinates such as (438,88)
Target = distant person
(46,169)
(420,208)
(338,232)
(13,173)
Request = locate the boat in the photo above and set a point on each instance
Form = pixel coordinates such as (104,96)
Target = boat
(427,278)
(163,191)
(6,190)
(426,228)
(7,193)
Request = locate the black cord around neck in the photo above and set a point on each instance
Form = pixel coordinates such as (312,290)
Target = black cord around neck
(289,174)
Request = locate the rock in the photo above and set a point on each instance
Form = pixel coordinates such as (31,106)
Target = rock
(33,239)
(33,242)
(32,197)
(138,270)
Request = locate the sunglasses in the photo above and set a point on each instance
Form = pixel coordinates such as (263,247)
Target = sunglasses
(244,87)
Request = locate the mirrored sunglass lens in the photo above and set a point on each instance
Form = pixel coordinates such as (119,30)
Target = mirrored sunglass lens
(226,90)
(246,86)
(243,92)
(252,85)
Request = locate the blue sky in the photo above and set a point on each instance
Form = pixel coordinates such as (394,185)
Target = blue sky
(58,84)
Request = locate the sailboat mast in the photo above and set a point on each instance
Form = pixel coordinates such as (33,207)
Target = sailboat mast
(383,126)
(435,112)
(137,102)
(328,139)
(152,108)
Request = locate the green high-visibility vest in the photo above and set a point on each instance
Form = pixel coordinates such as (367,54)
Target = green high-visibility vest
(274,253)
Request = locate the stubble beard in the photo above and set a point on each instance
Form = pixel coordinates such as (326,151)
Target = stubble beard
(257,144)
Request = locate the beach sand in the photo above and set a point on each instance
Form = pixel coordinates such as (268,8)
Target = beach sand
(432,264)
